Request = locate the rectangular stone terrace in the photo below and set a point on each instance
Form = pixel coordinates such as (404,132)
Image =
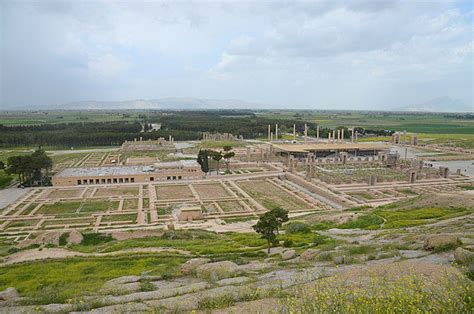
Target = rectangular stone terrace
(154,204)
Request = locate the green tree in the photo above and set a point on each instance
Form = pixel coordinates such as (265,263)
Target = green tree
(281,216)
(41,161)
(203,160)
(2,165)
(228,154)
(217,156)
(30,167)
(269,224)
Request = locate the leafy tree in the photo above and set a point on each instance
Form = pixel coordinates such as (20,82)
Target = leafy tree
(217,156)
(269,224)
(228,154)
(281,216)
(203,160)
(2,165)
(41,161)
(29,167)
(266,226)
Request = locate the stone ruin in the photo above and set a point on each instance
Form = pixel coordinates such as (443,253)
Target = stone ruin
(148,145)
(208,136)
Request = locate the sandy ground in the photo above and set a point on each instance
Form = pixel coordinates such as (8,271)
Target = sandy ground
(10,195)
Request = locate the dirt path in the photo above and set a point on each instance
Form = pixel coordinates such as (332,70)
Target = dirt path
(58,253)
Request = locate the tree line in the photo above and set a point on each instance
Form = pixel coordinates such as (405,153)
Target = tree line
(185,125)
(30,169)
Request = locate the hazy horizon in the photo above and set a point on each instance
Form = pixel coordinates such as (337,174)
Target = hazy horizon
(342,55)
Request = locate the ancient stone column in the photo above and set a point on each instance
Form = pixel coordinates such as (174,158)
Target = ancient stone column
(269,133)
(317,132)
(309,172)
(305,133)
(276,131)
(343,157)
(294,131)
(444,172)
(372,180)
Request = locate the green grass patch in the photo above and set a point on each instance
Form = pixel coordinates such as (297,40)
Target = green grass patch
(98,206)
(369,221)
(415,217)
(55,281)
(196,242)
(59,208)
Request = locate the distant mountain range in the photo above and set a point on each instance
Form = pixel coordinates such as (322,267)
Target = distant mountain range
(163,103)
(440,104)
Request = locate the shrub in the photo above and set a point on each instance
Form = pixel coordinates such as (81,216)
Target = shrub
(407,294)
(298,227)
(361,249)
(287,243)
(323,225)
(369,221)
(13,249)
(320,239)
(63,239)
(146,286)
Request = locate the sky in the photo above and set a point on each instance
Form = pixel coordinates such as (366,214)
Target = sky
(330,54)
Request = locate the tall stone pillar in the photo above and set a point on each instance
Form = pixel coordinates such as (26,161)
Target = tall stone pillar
(269,133)
(276,131)
(309,171)
(294,131)
(305,133)
(317,132)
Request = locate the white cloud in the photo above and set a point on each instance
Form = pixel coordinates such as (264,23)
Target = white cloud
(107,66)
(305,53)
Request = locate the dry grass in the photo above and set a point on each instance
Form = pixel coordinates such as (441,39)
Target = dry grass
(209,191)
(105,192)
(174,192)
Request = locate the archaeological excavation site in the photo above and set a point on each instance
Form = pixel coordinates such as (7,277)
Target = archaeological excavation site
(170,227)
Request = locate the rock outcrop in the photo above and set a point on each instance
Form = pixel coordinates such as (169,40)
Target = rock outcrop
(439,241)
(190,266)
(216,271)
